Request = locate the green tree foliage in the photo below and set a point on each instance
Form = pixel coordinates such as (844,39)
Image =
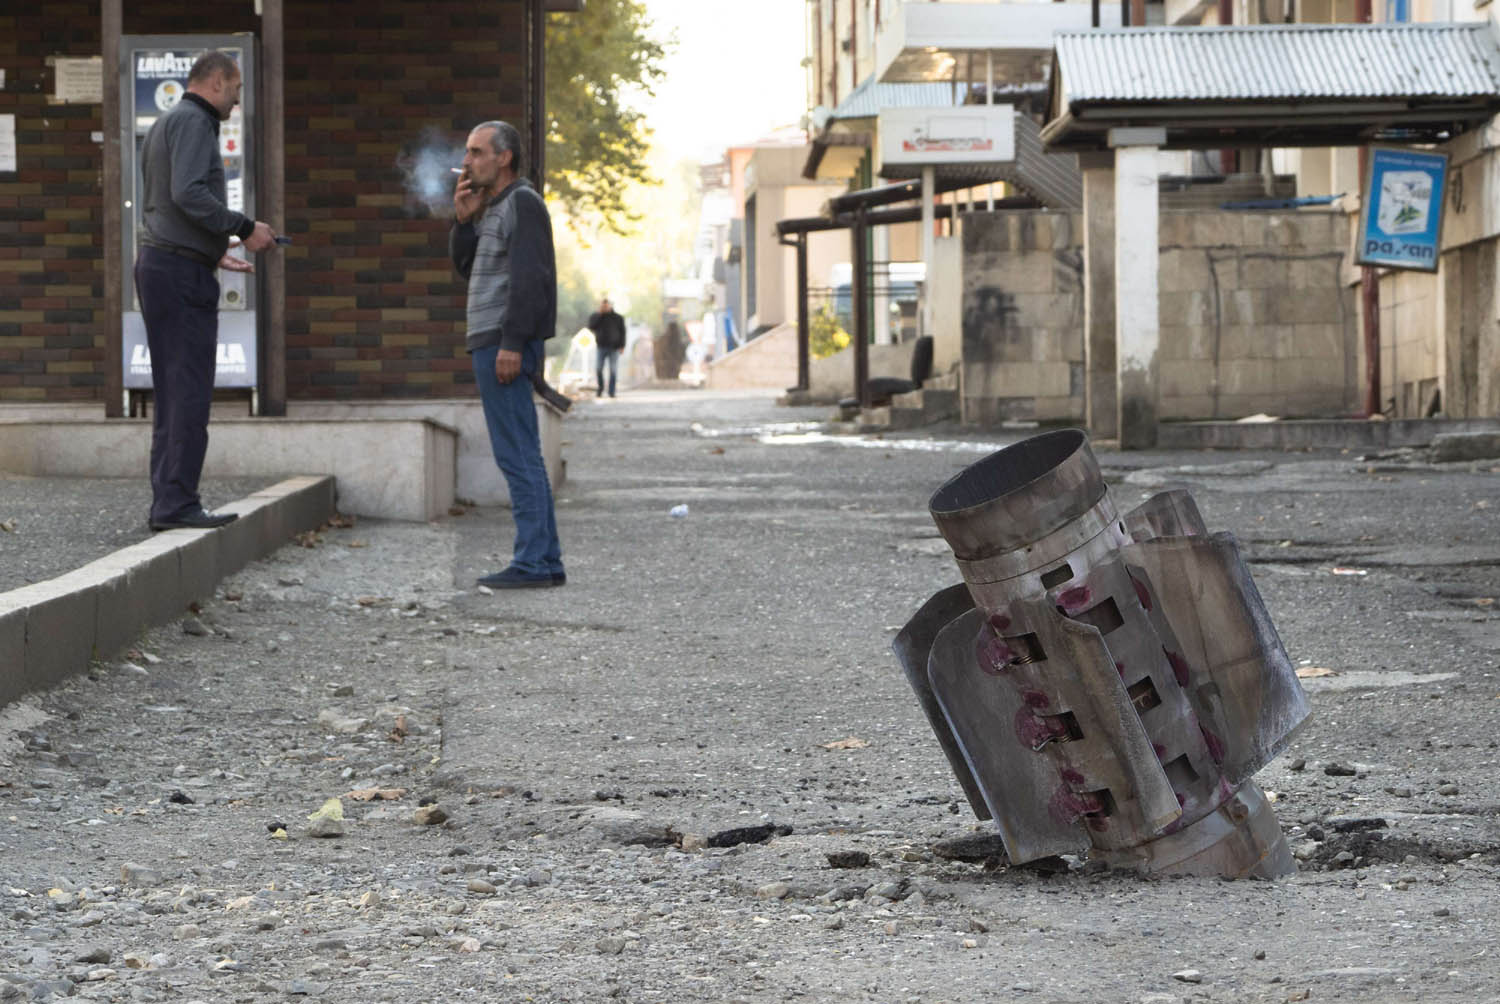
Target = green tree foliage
(575,299)
(597,59)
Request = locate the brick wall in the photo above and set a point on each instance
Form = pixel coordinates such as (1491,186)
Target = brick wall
(373,306)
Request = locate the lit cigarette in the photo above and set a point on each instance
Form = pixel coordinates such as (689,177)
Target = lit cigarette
(456,170)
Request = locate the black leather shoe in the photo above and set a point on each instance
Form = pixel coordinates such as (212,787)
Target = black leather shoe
(195,519)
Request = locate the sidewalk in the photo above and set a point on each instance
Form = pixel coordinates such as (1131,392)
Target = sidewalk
(703,673)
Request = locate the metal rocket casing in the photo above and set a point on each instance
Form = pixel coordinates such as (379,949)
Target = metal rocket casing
(1101,681)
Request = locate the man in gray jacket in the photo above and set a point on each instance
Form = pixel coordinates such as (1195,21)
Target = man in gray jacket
(187,223)
(502,243)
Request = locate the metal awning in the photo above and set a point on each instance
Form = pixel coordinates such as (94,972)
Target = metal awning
(1281,85)
(845,134)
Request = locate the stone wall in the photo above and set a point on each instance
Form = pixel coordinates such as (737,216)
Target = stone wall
(1253,316)
(1022,317)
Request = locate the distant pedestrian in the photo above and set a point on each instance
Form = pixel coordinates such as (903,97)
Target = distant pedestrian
(609,341)
(502,243)
(187,225)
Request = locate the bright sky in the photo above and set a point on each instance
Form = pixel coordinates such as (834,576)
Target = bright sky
(735,75)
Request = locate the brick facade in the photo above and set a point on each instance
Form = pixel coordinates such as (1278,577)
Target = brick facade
(373,307)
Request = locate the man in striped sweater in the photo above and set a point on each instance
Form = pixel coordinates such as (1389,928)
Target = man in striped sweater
(502,243)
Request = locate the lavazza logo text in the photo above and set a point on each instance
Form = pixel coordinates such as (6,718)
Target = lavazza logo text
(160,65)
(230,359)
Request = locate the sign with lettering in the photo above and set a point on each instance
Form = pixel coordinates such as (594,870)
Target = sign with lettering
(1401,221)
(235,364)
(77,80)
(963,134)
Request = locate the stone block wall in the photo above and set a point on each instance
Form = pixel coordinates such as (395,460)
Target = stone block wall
(1253,316)
(374,309)
(1022,317)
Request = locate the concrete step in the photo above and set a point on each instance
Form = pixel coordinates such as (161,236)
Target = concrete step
(912,410)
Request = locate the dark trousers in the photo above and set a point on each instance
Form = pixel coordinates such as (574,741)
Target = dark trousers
(179,301)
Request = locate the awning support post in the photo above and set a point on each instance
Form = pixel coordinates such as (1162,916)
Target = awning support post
(859,291)
(1137,299)
(929,244)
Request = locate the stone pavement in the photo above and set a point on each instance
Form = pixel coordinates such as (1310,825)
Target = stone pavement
(722,671)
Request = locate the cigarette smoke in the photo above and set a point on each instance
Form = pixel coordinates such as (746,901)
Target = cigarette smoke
(426,173)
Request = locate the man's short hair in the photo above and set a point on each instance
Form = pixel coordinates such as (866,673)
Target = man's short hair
(211,64)
(504,136)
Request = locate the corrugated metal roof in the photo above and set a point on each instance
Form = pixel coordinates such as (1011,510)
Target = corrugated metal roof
(866,100)
(1290,62)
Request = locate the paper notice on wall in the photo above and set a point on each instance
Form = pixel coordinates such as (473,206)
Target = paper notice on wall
(78,80)
(7,142)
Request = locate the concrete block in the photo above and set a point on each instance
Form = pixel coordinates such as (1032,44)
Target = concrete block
(1036,231)
(1063,311)
(155,578)
(1309,376)
(1247,341)
(1058,409)
(198,562)
(1032,273)
(1057,344)
(1248,377)
(61,615)
(1067,231)
(1184,270)
(1453,446)
(1247,306)
(1218,229)
(1255,231)
(12,651)
(1264,272)
(1316,273)
(1186,406)
(1185,377)
(246,539)
(1317,341)
(1305,306)
(119,611)
(1175,229)
(1176,341)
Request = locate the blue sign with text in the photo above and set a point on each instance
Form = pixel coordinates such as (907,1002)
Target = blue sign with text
(1402,221)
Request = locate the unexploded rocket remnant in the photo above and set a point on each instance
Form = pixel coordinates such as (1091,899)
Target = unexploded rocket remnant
(1102,682)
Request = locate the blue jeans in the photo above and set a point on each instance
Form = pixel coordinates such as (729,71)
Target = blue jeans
(611,358)
(510,415)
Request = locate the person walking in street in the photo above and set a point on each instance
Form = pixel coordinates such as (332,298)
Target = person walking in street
(609,341)
(501,242)
(187,225)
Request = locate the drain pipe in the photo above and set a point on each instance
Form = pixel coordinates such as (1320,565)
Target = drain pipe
(1369,280)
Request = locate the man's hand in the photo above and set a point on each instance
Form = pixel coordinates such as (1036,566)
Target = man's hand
(234,263)
(261,237)
(507,365)
(467,200)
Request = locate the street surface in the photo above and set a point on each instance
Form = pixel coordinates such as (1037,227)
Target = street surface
(570,752)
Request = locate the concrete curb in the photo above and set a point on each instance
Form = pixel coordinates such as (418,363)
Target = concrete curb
(1315,433)
(49,630)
